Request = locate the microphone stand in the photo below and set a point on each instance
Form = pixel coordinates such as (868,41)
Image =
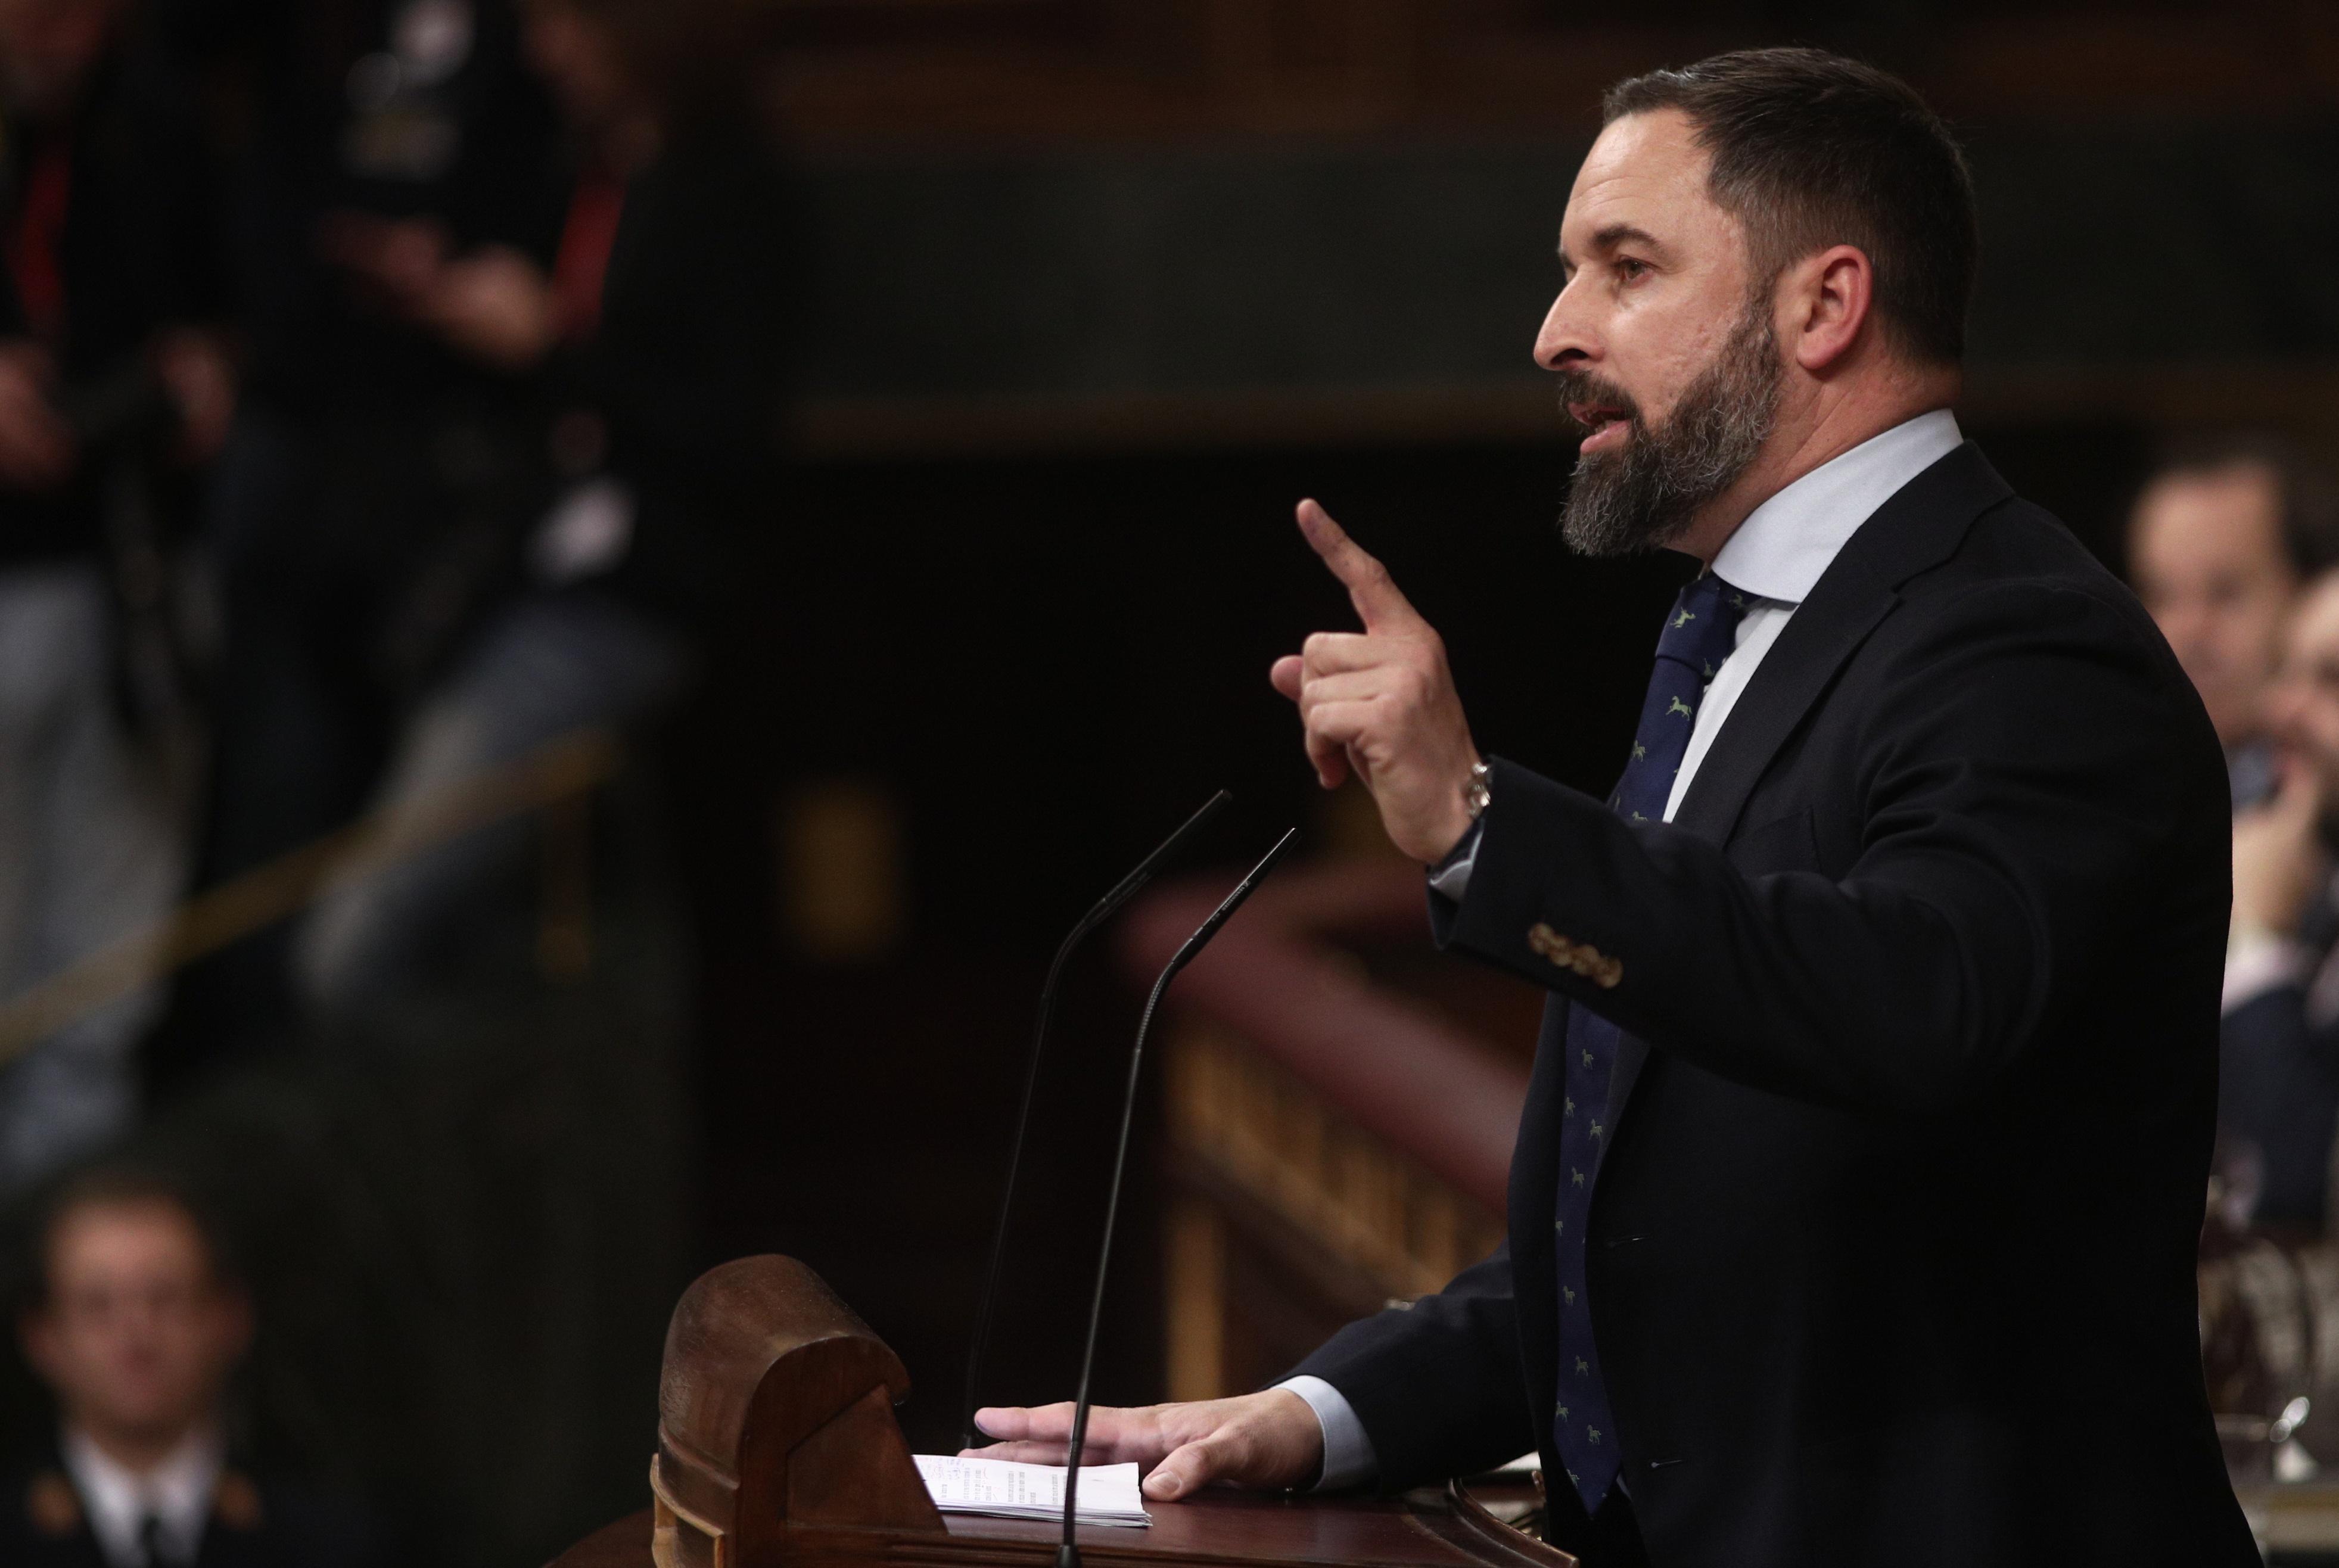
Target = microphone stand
(1105,908)
(1067,1554)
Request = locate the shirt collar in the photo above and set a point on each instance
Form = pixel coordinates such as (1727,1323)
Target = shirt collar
(178,1491)
(1780,550)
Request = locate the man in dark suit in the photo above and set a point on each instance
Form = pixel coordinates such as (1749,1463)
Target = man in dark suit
(2279,1095)
(2223,535)
(136,1327)
(1853,1212)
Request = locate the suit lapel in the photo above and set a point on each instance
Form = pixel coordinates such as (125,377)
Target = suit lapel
(1916,527)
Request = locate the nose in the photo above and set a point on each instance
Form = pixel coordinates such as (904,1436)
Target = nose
(1565,341)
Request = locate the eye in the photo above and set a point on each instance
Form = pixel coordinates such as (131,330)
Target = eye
(1631,268)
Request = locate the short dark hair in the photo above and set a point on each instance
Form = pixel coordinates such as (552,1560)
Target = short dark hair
(119,1186)
(2307,494)
(1811,149)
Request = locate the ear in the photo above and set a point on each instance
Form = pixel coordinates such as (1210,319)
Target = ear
(1825,305)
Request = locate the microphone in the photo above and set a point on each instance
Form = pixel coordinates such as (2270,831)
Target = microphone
(1067,1554)
(1105,908)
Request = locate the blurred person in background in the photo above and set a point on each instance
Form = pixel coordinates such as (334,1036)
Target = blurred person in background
(359,521)
(2279,1071)
(502,520)
(650,345)
(2219,542)
(136,1325)
(113,386)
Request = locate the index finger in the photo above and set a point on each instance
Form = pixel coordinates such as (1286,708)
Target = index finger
(1370,588)
(1109,1427)
(1045,1422)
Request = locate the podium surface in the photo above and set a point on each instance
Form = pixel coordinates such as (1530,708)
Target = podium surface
(1228,1527)
(777,1448)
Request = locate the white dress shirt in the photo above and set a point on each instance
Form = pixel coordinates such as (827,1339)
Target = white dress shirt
(1776,557)
(176,1493)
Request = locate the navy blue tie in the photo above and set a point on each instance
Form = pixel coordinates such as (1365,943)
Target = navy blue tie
(1699,634)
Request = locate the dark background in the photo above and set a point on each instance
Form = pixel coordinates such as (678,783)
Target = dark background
(1093,291)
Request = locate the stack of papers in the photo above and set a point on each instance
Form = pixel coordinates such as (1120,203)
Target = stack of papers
(1108,1494)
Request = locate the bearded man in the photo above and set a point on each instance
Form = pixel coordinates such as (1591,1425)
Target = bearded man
(1853,1212)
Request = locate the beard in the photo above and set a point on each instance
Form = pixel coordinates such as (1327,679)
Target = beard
(1645,494)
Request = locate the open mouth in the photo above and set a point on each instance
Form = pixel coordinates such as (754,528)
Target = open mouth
(1603,424)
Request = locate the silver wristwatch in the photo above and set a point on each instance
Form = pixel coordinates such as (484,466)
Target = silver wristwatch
(1476,794)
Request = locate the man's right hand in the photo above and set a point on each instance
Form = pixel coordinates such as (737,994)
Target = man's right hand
(2279,861)
(1271,1440)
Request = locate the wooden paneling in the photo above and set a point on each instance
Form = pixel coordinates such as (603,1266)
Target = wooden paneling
(888,69)
(1286,1219)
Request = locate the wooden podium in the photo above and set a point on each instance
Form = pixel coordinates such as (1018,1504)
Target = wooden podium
(777,1448)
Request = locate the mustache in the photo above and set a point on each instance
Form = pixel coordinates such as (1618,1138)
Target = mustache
(1577,388)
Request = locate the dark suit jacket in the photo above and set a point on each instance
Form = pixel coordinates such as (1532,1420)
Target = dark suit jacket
(1893,1254)
(254,1524)
(2278,1085)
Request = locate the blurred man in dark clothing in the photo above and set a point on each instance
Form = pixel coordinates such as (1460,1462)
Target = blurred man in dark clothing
(359,520)
(136,1327)
(2279,1095)
(629,351)
(111,385)
(650,346)
(2219,540)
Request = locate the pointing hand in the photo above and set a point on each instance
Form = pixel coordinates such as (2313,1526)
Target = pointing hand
(1381,702)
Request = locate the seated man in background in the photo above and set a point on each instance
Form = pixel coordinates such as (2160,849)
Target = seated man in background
(2219,541)
(136,1326)
(2278,1094)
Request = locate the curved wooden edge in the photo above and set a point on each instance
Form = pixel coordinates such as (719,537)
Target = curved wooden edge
(1512,1542)
(776,1408)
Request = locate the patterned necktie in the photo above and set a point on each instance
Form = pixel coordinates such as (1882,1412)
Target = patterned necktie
(1698,635)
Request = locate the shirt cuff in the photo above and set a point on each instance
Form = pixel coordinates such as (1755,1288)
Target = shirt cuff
(1450,878)
(2259,961)
(1349,1457)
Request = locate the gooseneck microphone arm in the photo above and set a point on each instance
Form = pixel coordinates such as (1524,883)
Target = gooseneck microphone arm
(1105,908)
(1067,1554)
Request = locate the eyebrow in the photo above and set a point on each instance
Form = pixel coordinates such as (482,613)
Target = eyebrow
(1612,236)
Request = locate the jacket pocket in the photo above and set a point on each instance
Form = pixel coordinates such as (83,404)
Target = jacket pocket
(1784,843)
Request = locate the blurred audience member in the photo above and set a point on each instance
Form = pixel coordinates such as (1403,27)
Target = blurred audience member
(2218,543)
(110,387)
(362,521)
(2279,1070)
(488,507)
(136,1326)
(650,345)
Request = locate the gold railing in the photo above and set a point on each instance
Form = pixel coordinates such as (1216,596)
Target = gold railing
(1234,1109)
(556,778)
(1246,1134)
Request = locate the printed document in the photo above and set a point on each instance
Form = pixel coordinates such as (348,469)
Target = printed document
(1108,1494)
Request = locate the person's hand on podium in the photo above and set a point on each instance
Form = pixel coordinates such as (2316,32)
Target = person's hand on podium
(1381,704)
(1271,1440)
